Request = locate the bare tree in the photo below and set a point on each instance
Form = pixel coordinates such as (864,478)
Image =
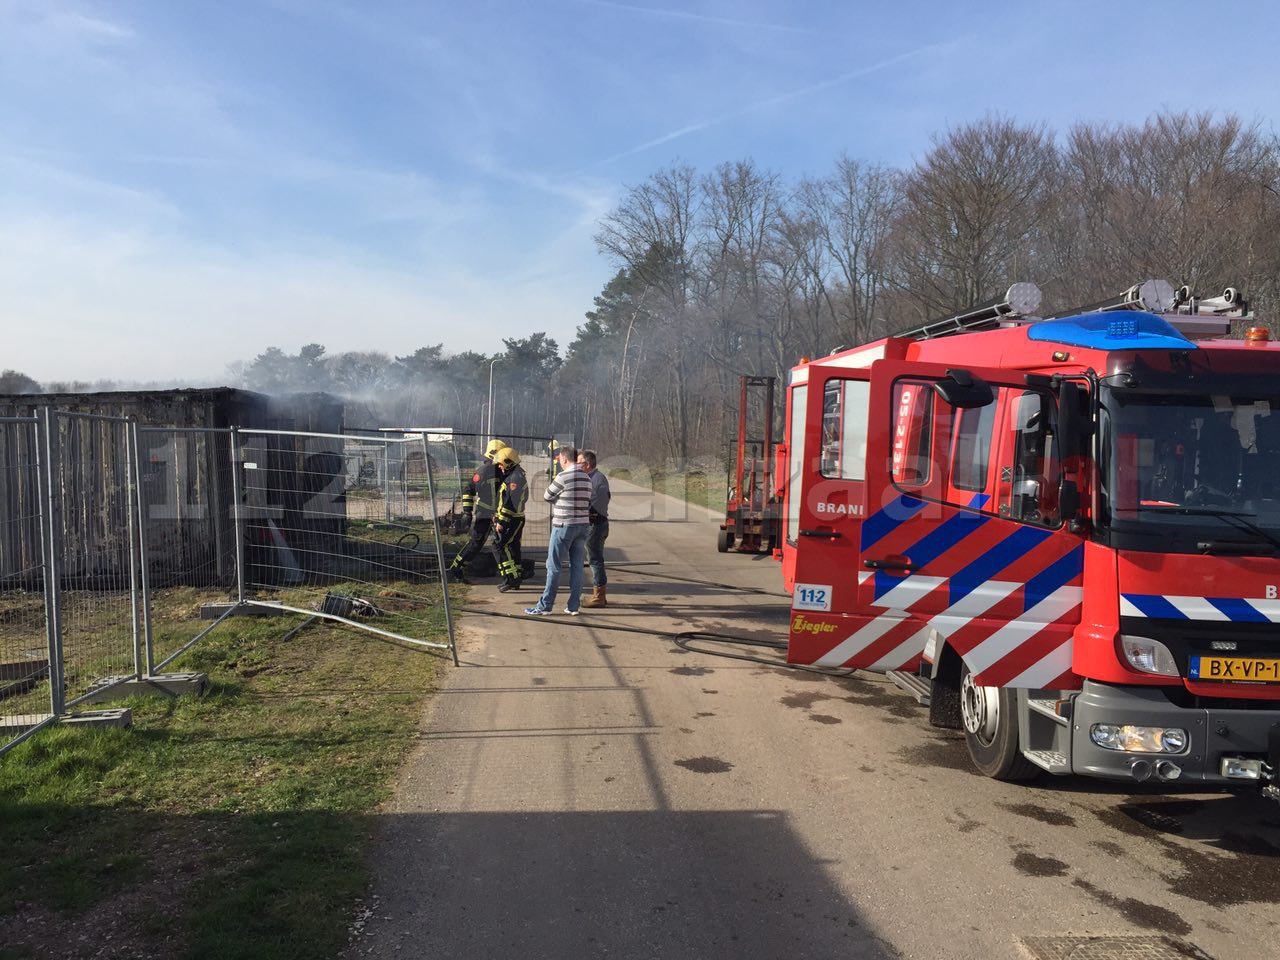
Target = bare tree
(853,211)
(651,234)
(742,208)
(971,214)
(1185,197)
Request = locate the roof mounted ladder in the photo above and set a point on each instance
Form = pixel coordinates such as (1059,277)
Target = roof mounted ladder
(1193,317)
(1020,301)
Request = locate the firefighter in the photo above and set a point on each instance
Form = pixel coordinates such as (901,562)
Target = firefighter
(479,503)
(553,448)
(509,520)
(469,492)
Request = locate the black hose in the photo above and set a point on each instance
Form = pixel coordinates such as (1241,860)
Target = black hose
(712,583)
(684,639)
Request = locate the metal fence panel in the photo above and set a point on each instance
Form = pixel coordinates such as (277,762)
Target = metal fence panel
(95,540)
(342,527)
(25,691)
(111,535)
(188,533)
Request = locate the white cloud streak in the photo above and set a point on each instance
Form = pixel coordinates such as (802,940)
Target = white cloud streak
(780,98)
(696,17)
(93,28)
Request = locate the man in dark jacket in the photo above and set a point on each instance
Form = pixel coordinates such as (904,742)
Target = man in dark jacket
(599,528)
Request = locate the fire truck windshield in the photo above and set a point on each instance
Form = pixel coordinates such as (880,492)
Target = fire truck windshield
(1191,472)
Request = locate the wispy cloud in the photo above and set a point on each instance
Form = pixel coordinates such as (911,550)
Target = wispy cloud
(373,23)
(696,17)
(775,100)
(176,160)
(591,198)
(41,178)
(93,28)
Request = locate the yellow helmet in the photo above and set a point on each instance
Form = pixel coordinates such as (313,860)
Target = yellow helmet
(494,446)
(506,458)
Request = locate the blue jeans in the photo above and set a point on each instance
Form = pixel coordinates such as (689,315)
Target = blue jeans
(595,550)
(570,541)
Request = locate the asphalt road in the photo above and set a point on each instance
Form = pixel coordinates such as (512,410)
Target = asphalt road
(583,792)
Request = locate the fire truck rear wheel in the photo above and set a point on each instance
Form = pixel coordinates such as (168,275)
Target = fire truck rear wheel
(990,719)
(724,541)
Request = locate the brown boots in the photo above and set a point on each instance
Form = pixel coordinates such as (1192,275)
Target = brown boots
(598,598)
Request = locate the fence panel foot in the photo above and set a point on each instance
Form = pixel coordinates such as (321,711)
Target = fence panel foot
(160,684)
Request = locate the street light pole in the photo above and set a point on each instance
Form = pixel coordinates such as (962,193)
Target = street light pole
(489,432)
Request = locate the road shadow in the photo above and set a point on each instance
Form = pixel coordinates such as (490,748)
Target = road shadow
(1236,822)
(661,884)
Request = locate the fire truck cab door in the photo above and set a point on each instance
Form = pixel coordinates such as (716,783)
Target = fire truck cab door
(961,541)
(826,501)
(911,482)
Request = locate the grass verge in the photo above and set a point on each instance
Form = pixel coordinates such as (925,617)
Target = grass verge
(229,826)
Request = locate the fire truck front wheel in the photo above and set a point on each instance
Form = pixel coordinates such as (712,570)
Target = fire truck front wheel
(990,719)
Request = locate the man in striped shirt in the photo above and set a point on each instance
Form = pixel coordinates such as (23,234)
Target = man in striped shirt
(570,497)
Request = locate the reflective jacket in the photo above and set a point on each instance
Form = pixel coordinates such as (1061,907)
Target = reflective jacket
(515,491)
(481,494)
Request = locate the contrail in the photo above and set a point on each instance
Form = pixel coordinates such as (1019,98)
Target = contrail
(667,137)
(699,17)
(782,97)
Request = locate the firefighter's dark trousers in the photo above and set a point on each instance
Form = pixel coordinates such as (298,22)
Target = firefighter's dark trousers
(509,552)
(479,534)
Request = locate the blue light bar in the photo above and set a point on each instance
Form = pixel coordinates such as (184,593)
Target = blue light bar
(1112,330)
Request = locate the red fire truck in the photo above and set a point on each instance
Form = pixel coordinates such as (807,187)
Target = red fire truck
(1063,535)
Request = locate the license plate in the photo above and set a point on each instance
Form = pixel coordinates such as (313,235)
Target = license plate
(1239,669)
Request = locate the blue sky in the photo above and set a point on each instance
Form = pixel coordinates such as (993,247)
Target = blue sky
(183,184)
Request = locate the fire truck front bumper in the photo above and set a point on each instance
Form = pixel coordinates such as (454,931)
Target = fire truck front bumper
(1135,733)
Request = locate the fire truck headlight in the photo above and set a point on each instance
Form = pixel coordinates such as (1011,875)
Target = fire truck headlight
(1238,768)
(1174,740)
(1148,656)
(1130,739)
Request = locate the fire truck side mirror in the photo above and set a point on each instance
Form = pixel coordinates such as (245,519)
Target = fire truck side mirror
(1073,422)
(962,390)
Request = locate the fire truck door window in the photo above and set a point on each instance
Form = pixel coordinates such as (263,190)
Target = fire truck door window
(1033,492)
(973,447)
(844,429)
(795,459)
(912,433)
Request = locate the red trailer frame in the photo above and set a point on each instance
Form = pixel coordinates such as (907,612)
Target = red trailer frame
(753,512)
